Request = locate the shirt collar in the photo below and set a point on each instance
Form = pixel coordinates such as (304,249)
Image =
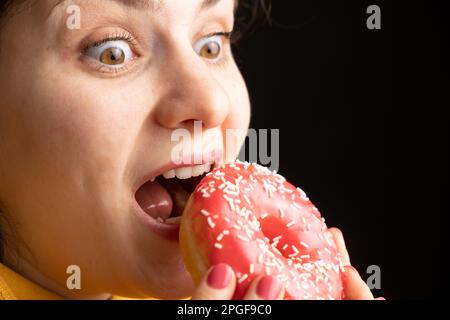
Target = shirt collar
(13,286)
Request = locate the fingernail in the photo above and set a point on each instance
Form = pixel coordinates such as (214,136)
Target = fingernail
(351,268)
(220,276)
(268,288)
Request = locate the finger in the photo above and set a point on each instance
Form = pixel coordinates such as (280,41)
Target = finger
(340,244)
(219,283)
(265,288)
(354,287)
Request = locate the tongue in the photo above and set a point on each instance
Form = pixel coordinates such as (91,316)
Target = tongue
(178,194)
(154,200)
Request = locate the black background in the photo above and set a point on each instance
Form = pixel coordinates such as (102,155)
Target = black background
(362,127)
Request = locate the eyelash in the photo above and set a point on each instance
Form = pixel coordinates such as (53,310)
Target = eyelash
(132,41)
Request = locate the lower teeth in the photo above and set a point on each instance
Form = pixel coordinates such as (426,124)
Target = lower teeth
(174,220)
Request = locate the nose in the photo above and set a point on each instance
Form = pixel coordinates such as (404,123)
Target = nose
(191,91)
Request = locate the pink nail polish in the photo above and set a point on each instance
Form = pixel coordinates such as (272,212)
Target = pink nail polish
(352,268)
(220,276)
(268,288)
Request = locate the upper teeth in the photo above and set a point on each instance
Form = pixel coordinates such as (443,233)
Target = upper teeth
(187,172)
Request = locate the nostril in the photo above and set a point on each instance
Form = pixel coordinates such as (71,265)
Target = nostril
(193,124)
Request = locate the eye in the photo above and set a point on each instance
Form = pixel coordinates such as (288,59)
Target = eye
(111,53)
(209,47)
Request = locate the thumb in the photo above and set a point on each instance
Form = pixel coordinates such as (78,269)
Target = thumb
(354,287)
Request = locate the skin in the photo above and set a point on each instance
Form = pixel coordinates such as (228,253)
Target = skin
(76,136)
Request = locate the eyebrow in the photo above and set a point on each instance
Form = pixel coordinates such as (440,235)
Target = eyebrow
(156,4)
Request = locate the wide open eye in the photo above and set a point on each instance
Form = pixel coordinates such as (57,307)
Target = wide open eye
(111,53)
(209,47)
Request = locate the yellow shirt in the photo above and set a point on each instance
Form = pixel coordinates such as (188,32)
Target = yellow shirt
(15,287)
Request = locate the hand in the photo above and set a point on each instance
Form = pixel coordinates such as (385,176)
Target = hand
(219,283)
(354,287)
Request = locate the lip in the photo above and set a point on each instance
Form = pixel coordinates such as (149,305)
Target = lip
(213,156)
(166,230)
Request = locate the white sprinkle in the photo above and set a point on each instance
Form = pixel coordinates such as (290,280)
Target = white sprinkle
(267,270)
(251,268)
(204,212)
(285,246)
(227,220)
(235,226)
(281,213)
(282,277)
(243,278)
(305,256)
(243,238)
(219,237)
(260,258)
(211,223)
(341,264)
(160,219)
(260,241)
(295,249)
(276,239)
(296,205)
(303,220)
(276,250)
(319,235)
(247,199)
(218,245)
(264,215)
(328,239)
(304,244)
(226,232)
(248,231)
(290,224)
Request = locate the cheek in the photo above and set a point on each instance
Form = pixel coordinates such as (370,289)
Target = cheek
(97,120)
(72,128)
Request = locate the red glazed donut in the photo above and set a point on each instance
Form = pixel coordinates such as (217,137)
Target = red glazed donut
(254,220)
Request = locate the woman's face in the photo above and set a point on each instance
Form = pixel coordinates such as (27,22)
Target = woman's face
(86,121)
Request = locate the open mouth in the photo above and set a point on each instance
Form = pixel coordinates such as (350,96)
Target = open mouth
(165,198)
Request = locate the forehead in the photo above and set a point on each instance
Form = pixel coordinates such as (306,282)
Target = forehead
(145,4)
